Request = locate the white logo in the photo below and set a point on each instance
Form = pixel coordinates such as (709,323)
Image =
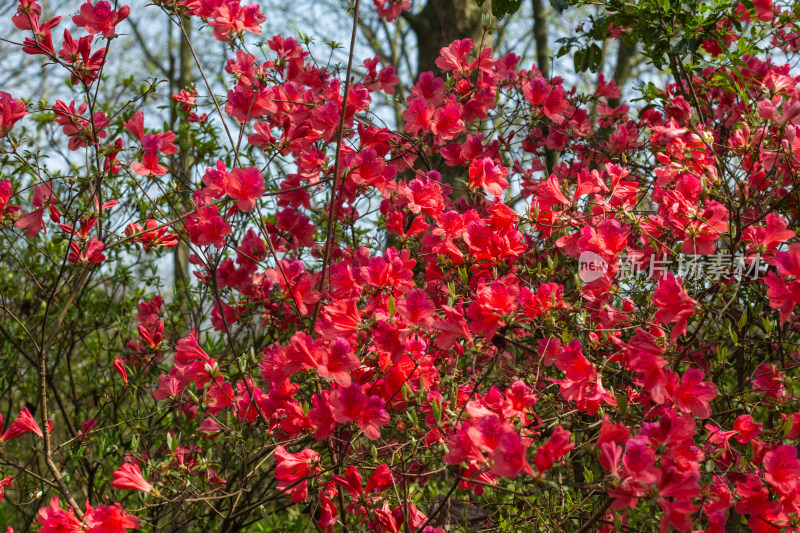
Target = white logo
(591,267)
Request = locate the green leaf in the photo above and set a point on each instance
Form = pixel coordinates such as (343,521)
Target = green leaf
(742,320)
(559,5)
(501,8)
(741,45)
(596,57)
(577,60)
(622,403)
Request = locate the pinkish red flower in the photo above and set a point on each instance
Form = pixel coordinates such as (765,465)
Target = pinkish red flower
(674,305)
(5,482)
(11,112)
(233,19)
(337,361)
(746,428)
(43,198)
(694,394)
(23,424)
(54,519)
(508,457)
(782,468)
(291,471)
(92,252)
(100,18)
(119,368)
(554,449)
(390,9)
(129,477)
(492,177)
(109,519)
(246,186)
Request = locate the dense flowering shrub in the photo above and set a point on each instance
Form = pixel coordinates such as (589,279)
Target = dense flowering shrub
(384,323)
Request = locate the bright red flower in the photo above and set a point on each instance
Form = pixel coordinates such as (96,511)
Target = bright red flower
(351,481)
(86,428)
(548,193)
(418,116)
(492,304)
(373,416)
(454,56)
(782,468)
(11,112)
(43,198)
(27,18)
(694,394)
(451,328)
(769,381)
(81,131)
(109,519)
(508,458)
(390,9)
(135,125)
(206,227)
(54,519)
(233,19)
(339,319)
(644,358)
(210,428)
(100,18)
(327,514)
(429,88)
(291,469)
(92,253)
(169,387)
(149,166)
(610,432)
(119,368)
(6,190)
(639,461)
(554,449)
(245,186)
(5,482)
(555,105)
(152,238)
(417,309)
(782,295)
(674,305)
(765,239)
(337,361)
(85,65)
(23,424)
(380,480)
(129,477)
(747,429)
(351,404)
(447,122)
(492,177)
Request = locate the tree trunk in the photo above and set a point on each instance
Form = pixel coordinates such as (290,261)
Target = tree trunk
(540,37)
(622,71)
(443,21)
(183,173)
(438,24)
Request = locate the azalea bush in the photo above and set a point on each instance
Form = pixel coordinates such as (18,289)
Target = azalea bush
(525,307)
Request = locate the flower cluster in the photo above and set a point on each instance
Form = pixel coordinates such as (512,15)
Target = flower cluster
(459,353)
